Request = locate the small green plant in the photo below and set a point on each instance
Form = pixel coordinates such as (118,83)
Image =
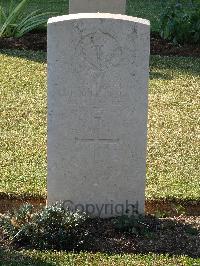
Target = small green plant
(162,214)
(52,227)
(13,22)
(137,224)
(191,231)
(180,26)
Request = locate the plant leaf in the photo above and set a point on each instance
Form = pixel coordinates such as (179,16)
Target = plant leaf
(31,23)
(13,16)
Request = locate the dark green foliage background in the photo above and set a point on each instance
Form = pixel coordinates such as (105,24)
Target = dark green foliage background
(149,9)
(181,25)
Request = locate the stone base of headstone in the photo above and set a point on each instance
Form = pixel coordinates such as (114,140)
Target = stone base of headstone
(97,112)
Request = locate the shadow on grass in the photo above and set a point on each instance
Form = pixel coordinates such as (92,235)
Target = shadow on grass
(36,56)
(14,258)
(161,67)
(158,75)
(168,67)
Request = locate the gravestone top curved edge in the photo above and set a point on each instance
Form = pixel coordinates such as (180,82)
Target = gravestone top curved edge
(98,16)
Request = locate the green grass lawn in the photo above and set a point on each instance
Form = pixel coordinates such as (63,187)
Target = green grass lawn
(33,258)
(149,9)
(172,164)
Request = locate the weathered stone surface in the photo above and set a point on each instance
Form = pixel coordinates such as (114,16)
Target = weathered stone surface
(97,111)
(92,6)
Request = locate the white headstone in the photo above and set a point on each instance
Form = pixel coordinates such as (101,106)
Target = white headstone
(97,112)
(92,6)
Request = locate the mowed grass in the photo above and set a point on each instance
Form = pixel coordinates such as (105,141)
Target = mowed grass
(23,123)
(24,258)
(173,151)
(148,9)
(173,163)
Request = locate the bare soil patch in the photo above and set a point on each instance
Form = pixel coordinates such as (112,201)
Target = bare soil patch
(175,236)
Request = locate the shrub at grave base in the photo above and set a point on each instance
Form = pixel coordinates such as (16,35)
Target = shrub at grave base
(50,228)
(138,225)
(13,22)
(179,25)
